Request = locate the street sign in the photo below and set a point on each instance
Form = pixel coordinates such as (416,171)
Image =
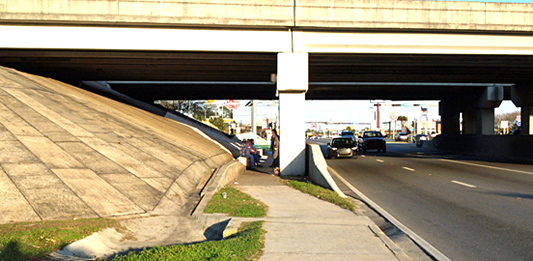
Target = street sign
(232,104)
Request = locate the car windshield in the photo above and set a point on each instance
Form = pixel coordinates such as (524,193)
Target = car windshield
(346,133)
(373,134)
(341,141)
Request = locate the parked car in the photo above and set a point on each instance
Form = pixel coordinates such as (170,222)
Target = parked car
(402,136)
(419,138)
(348,134)
(372,140)
(342,147)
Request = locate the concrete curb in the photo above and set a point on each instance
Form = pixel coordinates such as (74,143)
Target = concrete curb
(318,169)
(222,176)
(428,248)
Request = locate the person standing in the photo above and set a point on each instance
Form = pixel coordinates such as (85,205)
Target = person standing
(274,146)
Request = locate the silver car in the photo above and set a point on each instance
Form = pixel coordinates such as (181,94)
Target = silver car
(342,147)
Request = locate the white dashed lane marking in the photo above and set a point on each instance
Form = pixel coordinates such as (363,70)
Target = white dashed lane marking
(463,184)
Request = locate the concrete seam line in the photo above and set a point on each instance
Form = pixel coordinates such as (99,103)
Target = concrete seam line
(214,184)
(428,248)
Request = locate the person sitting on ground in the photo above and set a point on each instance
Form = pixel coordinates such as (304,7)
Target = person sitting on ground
(244,146)
(248,154)
(254,152)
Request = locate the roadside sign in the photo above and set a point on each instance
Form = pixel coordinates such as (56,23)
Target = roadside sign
(231,104)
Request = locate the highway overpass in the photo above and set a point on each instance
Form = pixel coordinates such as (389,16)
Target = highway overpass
(469,55)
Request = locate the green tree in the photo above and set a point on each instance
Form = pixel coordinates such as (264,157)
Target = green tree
(219,123)
(401,118)
(227,113)
(198,110)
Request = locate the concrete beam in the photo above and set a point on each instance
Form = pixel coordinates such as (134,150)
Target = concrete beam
(491,97)
(407,42)
(150,39)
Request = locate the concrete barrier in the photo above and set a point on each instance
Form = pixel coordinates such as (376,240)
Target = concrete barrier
(317,169)
(509,148)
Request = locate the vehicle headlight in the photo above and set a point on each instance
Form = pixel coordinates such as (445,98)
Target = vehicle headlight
(354,148)
(333,148)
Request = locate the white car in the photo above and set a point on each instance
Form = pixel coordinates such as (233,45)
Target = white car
(402,136)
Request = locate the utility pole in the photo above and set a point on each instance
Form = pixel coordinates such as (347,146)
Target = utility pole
(254,123)
(379,124)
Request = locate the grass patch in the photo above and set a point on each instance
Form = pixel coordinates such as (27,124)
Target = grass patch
(322,193)
(247,244)
(23,241)
(236,203)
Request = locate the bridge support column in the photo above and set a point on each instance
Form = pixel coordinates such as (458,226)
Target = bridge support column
(449,114)
(478,113)
(491,98)
(527,120)
(522,96)
(485,121)
(469,120)
(292,84)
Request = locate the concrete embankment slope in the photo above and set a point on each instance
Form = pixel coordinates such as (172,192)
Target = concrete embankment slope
(68,153)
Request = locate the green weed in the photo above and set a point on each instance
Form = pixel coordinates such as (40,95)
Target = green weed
(247,244)
(236,203)
(322,193)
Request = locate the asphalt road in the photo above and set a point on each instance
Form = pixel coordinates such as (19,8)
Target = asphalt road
(468,209)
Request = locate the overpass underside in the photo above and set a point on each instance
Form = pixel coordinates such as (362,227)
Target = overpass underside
(157,75)
(470,56)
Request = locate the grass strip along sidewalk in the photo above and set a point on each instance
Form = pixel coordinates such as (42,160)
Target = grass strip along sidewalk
(27,241)
(246,244)
(34,241)
(321,193)
(233,202)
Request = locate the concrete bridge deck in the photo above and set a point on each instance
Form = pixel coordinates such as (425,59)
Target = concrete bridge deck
(68,153)
(279,14)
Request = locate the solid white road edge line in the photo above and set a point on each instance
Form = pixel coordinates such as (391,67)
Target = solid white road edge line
(420,241)
(487,166)
(463,184)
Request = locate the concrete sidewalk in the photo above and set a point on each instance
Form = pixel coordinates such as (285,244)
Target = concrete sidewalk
(303,227)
